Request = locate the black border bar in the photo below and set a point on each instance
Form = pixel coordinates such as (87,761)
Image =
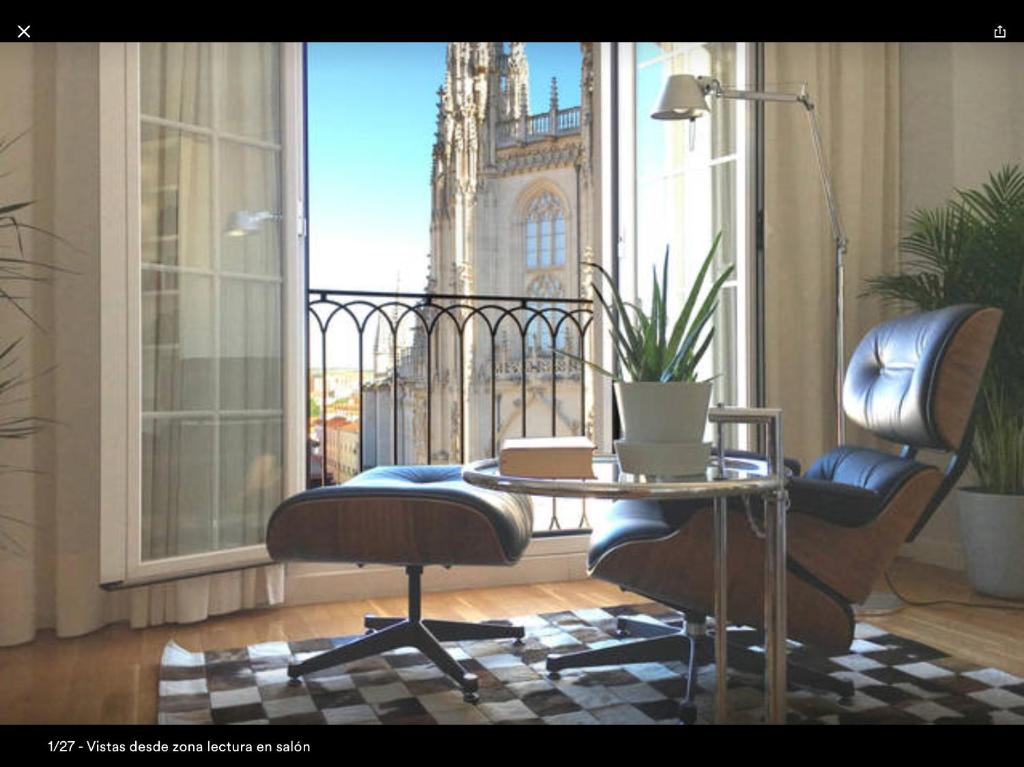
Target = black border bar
(640,24)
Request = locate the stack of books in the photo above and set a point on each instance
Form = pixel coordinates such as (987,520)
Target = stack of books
(547,458)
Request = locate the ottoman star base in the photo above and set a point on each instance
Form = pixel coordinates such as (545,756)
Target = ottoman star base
(410,516)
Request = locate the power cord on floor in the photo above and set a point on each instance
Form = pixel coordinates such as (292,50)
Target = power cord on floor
(930,603)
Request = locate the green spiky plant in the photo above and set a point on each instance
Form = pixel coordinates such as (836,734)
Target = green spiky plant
(971,250)
(17,270)
(647,347)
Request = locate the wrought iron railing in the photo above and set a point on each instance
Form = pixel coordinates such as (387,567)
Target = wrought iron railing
(435,350)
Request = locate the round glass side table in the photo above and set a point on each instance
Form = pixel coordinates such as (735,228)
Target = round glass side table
(725,477)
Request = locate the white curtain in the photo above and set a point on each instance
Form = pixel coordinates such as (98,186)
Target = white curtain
(50,578)
(855,87)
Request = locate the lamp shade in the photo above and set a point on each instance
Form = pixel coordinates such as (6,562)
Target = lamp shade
(682,98)
(241,223)
(245,222)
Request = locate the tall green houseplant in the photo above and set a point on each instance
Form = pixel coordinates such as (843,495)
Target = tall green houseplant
(17,272)
(972,251)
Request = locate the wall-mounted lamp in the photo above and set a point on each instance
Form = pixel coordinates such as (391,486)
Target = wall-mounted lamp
(243,222)
(684,97)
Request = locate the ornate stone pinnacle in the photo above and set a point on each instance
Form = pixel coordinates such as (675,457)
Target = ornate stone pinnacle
(589,273)
(464,275)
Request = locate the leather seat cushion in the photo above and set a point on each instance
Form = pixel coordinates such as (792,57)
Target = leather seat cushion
(849,486)
(638,520)
(510,515)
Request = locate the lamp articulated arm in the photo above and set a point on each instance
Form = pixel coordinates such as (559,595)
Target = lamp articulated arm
(712,87)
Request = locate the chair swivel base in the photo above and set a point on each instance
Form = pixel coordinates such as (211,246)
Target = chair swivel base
(452,631)
(425,635)
(665,642)
(662,643)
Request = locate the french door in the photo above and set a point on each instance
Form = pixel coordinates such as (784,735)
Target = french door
(212,303)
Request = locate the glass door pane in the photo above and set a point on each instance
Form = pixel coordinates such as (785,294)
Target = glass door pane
(689,187)
(212,295)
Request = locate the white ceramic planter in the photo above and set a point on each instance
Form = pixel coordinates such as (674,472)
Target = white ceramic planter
(663,412)
(992,528)
(663,427)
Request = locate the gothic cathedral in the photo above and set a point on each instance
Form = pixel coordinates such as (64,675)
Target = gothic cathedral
(511,207)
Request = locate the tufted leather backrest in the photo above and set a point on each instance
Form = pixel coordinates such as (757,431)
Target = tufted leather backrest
(913,380)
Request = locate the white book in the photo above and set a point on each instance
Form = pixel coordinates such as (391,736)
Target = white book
(547,457)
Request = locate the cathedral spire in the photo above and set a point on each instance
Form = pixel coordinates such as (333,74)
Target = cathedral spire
(468,106)
(518,79)
(439,133)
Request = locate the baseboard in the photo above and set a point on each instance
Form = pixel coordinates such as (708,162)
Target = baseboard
(948,554)
(547,559)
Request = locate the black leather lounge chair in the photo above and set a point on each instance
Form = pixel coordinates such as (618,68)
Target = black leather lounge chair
(411,516)
(912,381)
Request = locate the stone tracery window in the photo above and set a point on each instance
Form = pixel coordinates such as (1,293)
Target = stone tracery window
(538,339)
(544,286)
(545,232)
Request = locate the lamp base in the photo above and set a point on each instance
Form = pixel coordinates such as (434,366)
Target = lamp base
(878,602)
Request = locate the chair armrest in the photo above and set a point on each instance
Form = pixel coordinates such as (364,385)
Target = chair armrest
(834,502)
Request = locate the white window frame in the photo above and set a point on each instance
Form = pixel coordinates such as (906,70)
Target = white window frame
(120,321)
(745,211)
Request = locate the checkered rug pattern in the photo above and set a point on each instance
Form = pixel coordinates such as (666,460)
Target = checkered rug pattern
(897,681)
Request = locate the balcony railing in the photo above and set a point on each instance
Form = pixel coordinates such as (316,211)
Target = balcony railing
(539,126)
(444,372)
(568,120)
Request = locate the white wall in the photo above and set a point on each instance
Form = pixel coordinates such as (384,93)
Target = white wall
(962,117)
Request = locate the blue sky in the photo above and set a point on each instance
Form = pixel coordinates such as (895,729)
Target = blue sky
(371,119)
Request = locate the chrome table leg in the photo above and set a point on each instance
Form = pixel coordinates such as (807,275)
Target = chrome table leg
(721,594)
(776,506)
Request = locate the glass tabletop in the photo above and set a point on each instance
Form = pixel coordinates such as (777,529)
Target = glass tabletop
(740,477)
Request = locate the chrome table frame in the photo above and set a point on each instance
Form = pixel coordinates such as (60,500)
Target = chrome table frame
(772,486)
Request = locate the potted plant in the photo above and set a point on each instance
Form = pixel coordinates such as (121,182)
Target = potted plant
(972,251)
(662,404)
(17,270)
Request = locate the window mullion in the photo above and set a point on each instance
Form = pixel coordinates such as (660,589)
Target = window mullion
(215,172)
(551,240)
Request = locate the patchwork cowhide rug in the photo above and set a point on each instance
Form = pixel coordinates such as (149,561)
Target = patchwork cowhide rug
(897,681)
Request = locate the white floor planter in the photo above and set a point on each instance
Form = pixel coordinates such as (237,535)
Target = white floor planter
(992,527)
(663,427)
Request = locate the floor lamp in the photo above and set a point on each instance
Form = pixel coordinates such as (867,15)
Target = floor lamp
(684,97)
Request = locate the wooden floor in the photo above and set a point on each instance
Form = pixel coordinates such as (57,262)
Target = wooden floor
(110,676)
(987,637)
